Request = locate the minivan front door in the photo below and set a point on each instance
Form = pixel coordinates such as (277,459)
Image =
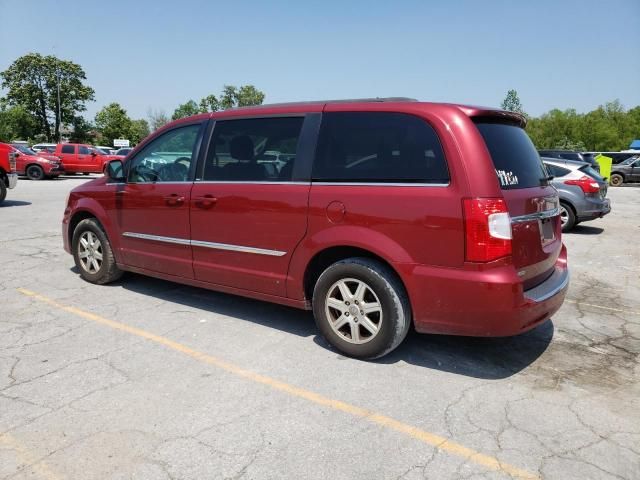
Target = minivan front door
(152,208)
(248,212)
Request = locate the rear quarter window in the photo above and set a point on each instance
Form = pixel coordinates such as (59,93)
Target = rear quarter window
(514,156)
(379,147)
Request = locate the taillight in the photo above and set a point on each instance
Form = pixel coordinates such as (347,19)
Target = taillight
(487,226)
(12,162)
(587,184)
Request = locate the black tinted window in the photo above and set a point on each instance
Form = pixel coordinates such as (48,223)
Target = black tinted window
(67,149)
(556,171)
(82,150)
(516,160)
(378,147)
(257,149)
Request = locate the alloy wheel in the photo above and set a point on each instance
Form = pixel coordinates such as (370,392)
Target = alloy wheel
(564,215)
(90,252)
(353,310)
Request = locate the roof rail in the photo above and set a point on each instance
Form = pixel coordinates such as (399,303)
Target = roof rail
(316,102)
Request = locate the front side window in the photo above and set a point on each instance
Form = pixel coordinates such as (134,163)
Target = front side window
(379,147)
(256,149)
(67,149)
(82,150)
(167,158)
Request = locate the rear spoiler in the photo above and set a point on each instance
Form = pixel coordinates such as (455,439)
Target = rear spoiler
(494,114)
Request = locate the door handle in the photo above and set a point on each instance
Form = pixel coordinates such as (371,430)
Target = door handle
(174,199)
(206,201)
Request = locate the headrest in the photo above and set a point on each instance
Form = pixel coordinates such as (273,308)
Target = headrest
(241,148)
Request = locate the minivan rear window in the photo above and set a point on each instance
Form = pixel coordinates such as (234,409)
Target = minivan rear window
(515,159)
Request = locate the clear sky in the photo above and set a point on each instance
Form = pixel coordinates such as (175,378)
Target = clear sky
(155,54)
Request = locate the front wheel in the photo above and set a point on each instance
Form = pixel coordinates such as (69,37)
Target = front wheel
(361,308)
(92,253)
(35,172)
(616,180)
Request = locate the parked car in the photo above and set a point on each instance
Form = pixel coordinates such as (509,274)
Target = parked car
(391,213)
(8,174)
(581,189)
(571,155)
(34,165)
(106,150)
(616,157)
(81,158)
(626,172)
(123,152)
(43,146)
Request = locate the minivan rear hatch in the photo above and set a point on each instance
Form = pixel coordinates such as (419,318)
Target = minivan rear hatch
(532,202)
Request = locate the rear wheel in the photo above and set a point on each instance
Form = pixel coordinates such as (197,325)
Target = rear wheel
(616,180)
(361,308)
(35,172)
(85,173)
(567,217)
(92,253)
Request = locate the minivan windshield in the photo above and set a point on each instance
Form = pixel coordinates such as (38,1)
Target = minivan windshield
(514,156)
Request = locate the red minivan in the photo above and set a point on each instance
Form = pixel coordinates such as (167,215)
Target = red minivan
(375,214)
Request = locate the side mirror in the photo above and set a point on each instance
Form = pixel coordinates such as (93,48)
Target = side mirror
(93,154)
(115,171)
(17,154)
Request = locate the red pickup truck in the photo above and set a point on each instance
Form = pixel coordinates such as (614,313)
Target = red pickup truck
(8,175)
(81,158)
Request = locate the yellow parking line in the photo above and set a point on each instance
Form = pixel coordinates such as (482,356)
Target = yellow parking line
(602,307)
(29,459)
(424,436)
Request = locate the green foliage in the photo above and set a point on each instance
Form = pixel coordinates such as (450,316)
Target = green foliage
(607,128)
(33,82)
(231,97)
(83,131)
(113,122)
(139,130)
(186,110)
(512,103)
(16,123)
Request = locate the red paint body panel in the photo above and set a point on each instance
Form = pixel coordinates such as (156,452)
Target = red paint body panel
(418,230)
(267,216)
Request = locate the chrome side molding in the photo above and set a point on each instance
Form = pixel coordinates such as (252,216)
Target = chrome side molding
(200,243)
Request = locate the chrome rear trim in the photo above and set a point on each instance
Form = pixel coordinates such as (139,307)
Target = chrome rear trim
(536,216)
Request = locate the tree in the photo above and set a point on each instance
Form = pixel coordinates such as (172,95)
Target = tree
(139,131)
(113,122)
(36,82)
(209,104)
(16,123)
(186,110)
(157,119)
(83,131)
(512,102)
(244,96)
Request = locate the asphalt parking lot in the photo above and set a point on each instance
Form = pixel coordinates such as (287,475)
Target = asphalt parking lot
(146,379)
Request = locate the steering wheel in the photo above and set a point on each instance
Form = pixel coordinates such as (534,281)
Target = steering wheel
(173,172)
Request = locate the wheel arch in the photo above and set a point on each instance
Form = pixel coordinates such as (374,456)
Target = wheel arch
(330,255)
(89,208)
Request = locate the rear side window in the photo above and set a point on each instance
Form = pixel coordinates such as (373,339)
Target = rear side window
(67,149)
(378,147)
(515,159)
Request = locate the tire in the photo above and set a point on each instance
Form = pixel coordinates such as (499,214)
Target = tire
(85,173)
(3,190)
(567,216)
(616,180)
(365,336)
(92,268)
(35,172)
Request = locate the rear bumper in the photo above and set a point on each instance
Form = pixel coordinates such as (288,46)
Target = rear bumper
(593,208)
(484,303)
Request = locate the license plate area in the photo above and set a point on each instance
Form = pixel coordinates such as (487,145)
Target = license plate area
(547,230)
